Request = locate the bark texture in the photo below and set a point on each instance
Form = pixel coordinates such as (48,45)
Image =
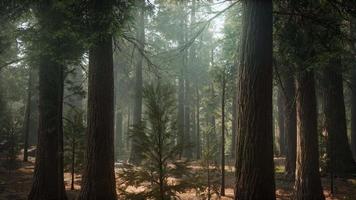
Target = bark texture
(254,156)
(135,155)
(48,177)
(281,116)
(307,183)
(290,126)
(340,157)
(27,119)
(353,95)
(98,176)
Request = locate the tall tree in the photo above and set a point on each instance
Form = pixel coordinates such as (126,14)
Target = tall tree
(281,116)
(98,176)
(290,125)
(254,156)
(307,183)
(223,96)
(48,175)
(135,157)
(353,89)
(341,161)
(27,119)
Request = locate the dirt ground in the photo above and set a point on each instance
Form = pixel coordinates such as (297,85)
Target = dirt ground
(15,184)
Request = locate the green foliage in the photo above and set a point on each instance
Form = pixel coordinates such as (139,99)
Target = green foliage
(11,142)
(207,180)
(74,132)
(160,175)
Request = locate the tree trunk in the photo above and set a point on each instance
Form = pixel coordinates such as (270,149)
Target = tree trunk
(234,125)
(340,157)
(290,125)
(198,139)
(180,121)
(307,183)
(281,113)
(119,136)
(73,163)
(353,112)
(187,150)
(254,156)
(27,119)
(99,176)
(48,177)
(353,96)
(135,156)
(222,191)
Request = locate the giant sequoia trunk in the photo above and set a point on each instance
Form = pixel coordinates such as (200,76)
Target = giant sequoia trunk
(135,155)
(340,157)
(48,174)
(254,157)
(290,125)
(98,176)
(307,183)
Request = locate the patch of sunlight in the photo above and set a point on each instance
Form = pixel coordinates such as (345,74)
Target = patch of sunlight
(279,169)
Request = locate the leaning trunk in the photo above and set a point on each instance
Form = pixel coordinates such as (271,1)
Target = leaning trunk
(254,157)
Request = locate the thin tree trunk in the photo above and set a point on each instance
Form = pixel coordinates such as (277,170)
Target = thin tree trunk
(119,135)
(27,116)
(73,163)
(135,156)
(353,112)
(290,124)
(187,150)
(181,140)
(307,183)
(254,157)
(234,125)
(99,175)
(180,121)
(222,192)
(118,111)
(198,143)
(281,113)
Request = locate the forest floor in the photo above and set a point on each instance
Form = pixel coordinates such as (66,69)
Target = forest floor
(15,184)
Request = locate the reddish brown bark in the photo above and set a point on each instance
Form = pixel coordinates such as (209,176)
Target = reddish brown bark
(307,183)
(99,176)
(254,157)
